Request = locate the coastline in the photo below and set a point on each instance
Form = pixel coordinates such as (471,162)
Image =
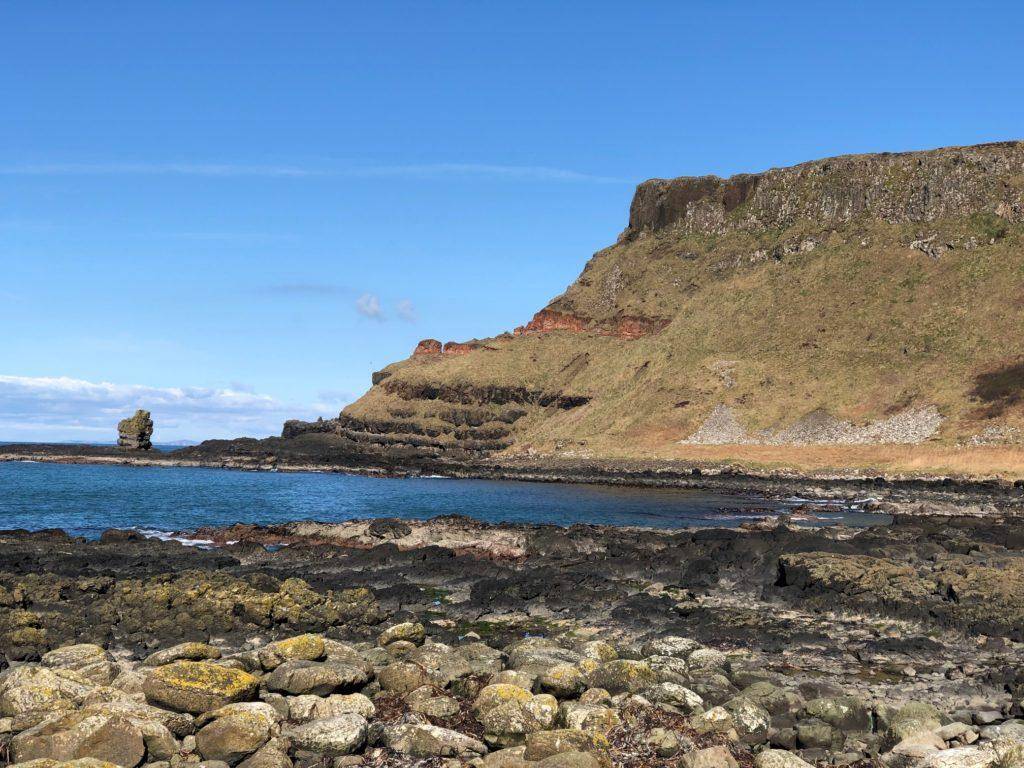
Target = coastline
(898,493)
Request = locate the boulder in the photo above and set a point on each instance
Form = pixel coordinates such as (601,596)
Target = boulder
(588,717)
(624,676)
(29,690)
(779,758)
(846,713)
(237,731)
(418,740)
(412,632)
(443,664)
(182,652)
(303,709)
(318,678)
(750,720)
(111,738)
(543,744)
(197,686)
(509,713)
(563,681)
(301,648)
(536,655)
(402,677)
(88,660)
(268,756)
(706,658)
(676,696)
(332,736)
(670,645)
(711,757)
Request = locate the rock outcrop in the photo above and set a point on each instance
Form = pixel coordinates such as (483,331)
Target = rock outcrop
(861,300)
(135,433)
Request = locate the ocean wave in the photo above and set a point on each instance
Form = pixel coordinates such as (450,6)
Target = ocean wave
(153,533)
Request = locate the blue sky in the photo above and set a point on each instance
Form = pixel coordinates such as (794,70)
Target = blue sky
(234,212)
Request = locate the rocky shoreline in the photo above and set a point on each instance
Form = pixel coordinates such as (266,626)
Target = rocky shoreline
(896,494)
(453,642)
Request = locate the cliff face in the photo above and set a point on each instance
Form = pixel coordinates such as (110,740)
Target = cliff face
(857,300)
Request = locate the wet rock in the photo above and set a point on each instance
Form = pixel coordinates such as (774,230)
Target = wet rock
(197,686)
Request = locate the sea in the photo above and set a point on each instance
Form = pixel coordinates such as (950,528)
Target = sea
(86,500)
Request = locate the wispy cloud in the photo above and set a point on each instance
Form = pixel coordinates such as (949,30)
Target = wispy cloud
(406,310)
(31,407)
(368,305)
(228,171)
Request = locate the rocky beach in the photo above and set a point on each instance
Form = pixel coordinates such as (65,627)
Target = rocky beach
(453,642)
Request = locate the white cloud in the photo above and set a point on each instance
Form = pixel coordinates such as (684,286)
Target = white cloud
(42,408)
(228,170)
(368,305)
(406,310)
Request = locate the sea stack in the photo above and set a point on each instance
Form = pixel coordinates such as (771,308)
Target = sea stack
(135,433)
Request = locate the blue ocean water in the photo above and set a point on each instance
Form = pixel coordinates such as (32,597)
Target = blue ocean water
(88,499)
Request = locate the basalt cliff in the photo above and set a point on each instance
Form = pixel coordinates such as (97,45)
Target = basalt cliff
(859,303)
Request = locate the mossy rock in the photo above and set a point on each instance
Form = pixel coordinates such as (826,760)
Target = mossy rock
(198,686)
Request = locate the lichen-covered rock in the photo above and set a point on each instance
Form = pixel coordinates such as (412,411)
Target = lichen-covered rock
(88,660)
(318,678)
(111,738)
(563,681)
(30,689)
(624,676)
(847,713)
(677,696)
(236,731)
(418,740)
(779,758)
(536,655)
(301,648)
(509,713)
(442,663)
(135,432)
(706,658)
(333,736)
(402,677)
(710,757)
(303,709)
(909,721)
(670,645)
(750,720)
(412,632)
(182,652)
(588,717)
(546,743)
(197,686)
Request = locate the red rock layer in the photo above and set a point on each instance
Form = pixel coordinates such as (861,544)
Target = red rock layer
(626,327)
(427,347)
